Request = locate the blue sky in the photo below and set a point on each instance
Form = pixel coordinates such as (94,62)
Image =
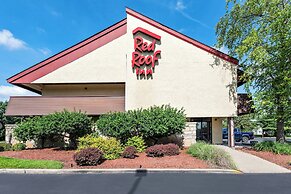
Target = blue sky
(33,30)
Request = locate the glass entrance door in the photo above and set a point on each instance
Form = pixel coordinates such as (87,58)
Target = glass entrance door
(203,129)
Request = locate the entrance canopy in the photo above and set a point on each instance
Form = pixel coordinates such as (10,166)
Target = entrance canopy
(43,105)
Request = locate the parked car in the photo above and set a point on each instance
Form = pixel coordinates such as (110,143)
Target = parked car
(238,135)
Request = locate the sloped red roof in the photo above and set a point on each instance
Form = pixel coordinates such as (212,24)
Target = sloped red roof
(98,40)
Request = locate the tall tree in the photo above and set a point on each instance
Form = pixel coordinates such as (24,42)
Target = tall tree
(258,33)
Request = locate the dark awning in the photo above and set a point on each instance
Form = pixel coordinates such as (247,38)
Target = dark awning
(40,105)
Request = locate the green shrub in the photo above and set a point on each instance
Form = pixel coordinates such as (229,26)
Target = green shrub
(54,126)
(275,147)
(18,147)
(88,157)
(211,154)
(152,123)
(137,142)
(110,147)
(5,147)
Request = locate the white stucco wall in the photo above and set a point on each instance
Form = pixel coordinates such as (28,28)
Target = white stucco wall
(185,77)
(217,130)
(105,64)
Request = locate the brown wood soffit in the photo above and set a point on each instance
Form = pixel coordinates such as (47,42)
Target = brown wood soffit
(38,105)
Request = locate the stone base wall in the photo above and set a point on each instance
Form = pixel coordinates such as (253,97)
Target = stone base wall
(189,134)
(9,133)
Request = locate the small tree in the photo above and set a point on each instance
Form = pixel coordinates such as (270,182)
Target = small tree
(258,33)
(52,126)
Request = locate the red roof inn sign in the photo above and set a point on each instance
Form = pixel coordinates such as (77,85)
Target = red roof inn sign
(144,56)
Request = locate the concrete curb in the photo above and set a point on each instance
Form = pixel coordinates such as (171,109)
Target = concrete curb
(114,171)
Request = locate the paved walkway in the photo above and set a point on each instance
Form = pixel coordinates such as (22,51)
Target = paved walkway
(248,163)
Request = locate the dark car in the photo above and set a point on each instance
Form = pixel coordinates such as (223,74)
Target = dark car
(238,135)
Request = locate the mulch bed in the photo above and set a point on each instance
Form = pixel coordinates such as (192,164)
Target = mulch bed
(183,160)
(282,160)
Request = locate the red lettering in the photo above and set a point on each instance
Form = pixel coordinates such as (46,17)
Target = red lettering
(135,58)
(138,59)
(152,46)
(138,42)
(155,57)
(141,60)
(148,60)
(141,72)
(149,72)
(144,46)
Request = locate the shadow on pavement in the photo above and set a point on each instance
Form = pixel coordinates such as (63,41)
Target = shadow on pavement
(139,174)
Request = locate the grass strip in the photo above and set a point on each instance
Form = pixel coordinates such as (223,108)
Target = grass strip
(6,162)
(213,155)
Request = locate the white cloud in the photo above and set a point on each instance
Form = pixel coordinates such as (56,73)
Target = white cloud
(7,91)
(8,40)
(45,51)
(180,6)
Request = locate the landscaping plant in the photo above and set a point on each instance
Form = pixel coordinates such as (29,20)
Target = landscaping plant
(211,154)
(162,150)
(111,147)
(52,126)
(275,147)
(5,146)
(18,147)
(151,123)
(88,157)
(129,152)
(138,142)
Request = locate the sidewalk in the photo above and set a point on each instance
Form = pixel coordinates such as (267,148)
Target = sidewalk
(248,163)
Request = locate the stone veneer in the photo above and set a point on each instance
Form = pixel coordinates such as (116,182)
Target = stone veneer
(189,134)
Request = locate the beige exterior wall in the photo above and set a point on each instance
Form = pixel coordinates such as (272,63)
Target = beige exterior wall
(217,130)
(84,90)
(186,76)
(105,64)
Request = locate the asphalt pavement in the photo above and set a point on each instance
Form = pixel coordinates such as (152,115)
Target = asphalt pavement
(146,183)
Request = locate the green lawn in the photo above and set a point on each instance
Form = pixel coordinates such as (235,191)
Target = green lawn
(23,163)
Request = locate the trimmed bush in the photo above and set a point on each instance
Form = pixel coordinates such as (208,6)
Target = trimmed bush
(137,142)
(18,147)
(275,147)
(110,147)
(213,155)
(5,147)
(54,126)
(129,152)
(88,157)
(152,123)
(162,150)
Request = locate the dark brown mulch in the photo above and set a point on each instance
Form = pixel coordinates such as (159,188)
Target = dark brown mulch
(183,160)
(282,160)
